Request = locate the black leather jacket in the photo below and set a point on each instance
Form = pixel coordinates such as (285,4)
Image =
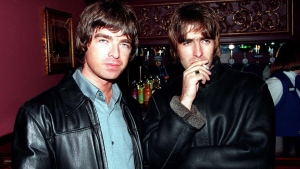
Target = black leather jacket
(59,129)
(231,125)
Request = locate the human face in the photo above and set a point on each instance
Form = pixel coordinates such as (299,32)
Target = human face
(107,55)
(195,48)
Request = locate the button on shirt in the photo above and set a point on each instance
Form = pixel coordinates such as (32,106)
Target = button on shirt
(117,140)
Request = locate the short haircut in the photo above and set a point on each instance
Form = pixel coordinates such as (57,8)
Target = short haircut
(201,17)
(110,14)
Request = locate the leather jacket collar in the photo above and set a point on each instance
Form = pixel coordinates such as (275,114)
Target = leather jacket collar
(218,70)
(70,93)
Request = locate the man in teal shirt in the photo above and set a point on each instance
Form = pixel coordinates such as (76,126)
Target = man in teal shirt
(85,121)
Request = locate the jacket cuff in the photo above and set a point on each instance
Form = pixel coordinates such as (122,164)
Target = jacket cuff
(193,117)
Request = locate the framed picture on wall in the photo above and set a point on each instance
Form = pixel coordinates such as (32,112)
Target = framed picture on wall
(58,41)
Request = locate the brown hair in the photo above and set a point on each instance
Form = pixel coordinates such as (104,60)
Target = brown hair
(110,14)
(201,17)
(287,58)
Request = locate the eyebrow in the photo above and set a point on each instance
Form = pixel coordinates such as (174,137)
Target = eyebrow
(191,39)
(125,40)
(102,35)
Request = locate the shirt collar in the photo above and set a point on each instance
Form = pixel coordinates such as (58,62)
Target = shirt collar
(290,74)
(92,91)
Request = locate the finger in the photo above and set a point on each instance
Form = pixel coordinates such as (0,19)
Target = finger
(203,67)
(200,62)
(202,76)
(197,68)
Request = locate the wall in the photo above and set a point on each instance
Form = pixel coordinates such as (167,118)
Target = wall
(22,71)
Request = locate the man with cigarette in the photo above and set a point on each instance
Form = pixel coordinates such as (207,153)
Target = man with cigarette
(211,116)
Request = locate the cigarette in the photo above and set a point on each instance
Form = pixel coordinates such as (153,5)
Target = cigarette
(206,67)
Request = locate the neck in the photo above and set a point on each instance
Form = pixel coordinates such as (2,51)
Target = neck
(297,72)
(104,85)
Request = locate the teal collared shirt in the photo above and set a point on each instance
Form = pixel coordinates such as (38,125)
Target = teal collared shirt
(117,140)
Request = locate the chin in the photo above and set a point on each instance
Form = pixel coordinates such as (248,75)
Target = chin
(112,75)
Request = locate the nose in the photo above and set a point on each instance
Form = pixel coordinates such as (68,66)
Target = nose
(114,51)
(197,50)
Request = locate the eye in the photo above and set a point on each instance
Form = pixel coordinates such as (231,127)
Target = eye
(126,45)
(206,41)
(186,42)
(102,40)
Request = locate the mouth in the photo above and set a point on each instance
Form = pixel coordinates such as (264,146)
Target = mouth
(206,66)
(193,62)
(113,66)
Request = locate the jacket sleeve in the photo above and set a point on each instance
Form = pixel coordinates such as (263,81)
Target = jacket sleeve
(254,145)
(168,136)
(29,147)
(168,139)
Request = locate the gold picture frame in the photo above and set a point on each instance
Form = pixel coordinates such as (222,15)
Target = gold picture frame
(58,41)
